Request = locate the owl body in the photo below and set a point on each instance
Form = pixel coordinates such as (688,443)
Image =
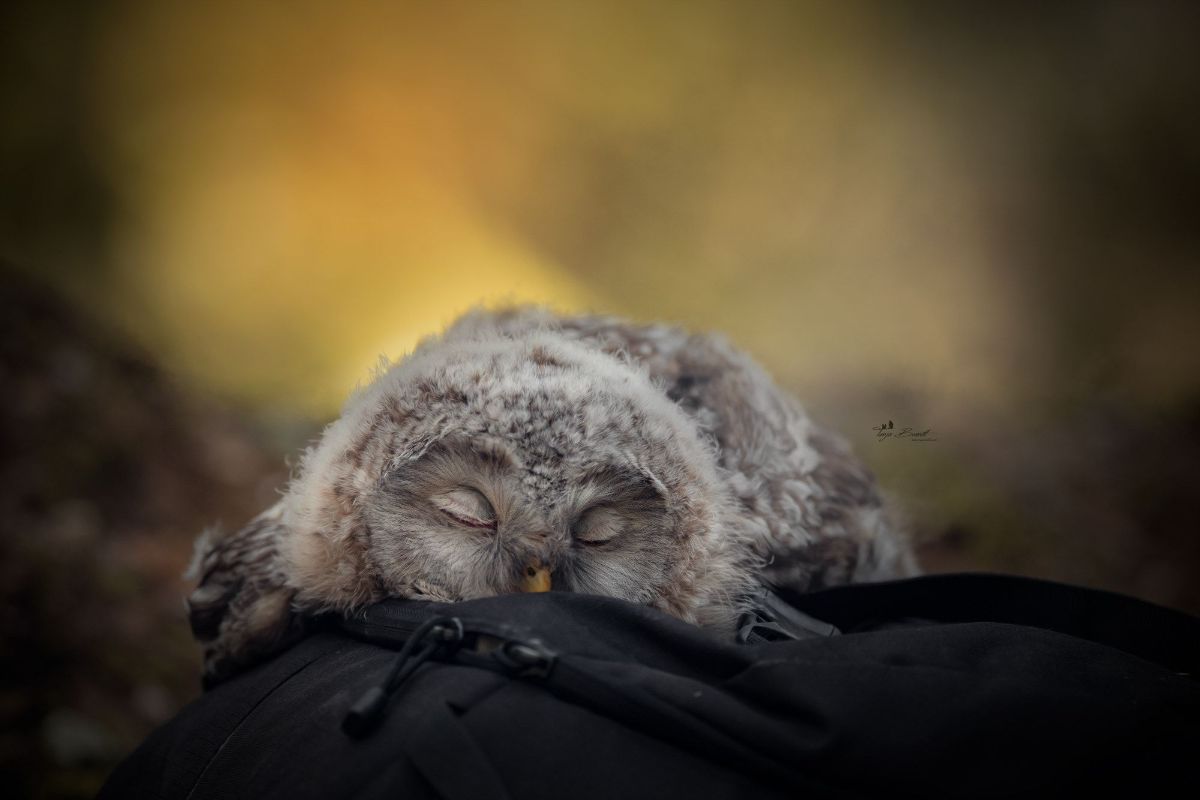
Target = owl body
(521,450)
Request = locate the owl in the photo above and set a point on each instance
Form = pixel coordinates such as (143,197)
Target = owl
(527,451)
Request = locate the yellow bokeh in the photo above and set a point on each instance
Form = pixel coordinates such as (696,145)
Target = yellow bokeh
(303,187)
(309,188)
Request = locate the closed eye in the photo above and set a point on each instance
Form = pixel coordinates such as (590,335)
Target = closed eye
(598,525)
(466,506)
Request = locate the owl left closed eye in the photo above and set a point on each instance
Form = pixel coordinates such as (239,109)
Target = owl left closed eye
(468,506)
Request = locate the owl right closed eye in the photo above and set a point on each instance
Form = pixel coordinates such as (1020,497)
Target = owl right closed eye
(524,451)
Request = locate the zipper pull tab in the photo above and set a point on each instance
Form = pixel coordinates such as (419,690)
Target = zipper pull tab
(365,714)
(525,659)
(444,634)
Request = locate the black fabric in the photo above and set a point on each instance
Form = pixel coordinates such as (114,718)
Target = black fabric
(953,686)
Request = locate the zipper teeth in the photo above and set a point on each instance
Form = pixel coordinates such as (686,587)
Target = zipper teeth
(401,622)
(409,621)
(369,627)
(374,625)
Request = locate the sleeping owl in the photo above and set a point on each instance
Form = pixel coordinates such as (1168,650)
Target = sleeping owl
(526,451)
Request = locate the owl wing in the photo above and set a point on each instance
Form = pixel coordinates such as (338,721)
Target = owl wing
(812,509)
(241,609)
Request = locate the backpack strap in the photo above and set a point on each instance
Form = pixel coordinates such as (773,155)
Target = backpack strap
(1161,635)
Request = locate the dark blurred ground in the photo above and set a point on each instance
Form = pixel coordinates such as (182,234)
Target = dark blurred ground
(980,218)
(109,471)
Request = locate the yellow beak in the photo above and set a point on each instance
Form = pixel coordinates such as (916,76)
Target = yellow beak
(536,578)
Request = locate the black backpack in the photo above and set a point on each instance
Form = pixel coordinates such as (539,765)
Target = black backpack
(952,686)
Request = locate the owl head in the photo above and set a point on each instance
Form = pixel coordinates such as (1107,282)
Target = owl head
(484,464)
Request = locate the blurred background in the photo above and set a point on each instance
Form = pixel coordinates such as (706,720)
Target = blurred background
(975,218)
